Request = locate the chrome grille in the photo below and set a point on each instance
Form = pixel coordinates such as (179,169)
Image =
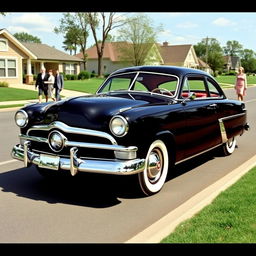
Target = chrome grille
(91,143)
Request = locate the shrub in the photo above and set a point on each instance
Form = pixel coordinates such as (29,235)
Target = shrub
(93,74)
(68,77)
(84,75)
(74,77)
(4,84)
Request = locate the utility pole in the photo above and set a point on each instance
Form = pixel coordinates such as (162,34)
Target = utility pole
(206,53)
(207,48)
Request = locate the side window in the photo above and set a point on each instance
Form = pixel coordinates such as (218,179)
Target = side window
(139,86)
(169,85)
(214,92)
(195,85)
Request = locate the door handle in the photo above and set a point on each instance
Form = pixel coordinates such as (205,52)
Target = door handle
(212,106)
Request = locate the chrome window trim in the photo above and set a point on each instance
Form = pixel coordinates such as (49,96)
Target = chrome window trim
(134,79)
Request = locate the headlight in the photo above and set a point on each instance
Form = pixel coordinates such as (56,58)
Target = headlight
(21,118)
(118,126)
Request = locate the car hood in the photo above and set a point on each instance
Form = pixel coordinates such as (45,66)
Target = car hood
(93,112)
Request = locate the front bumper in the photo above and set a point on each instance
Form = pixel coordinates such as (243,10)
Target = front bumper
(75,164)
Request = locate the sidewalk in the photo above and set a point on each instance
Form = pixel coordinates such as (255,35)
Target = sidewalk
(65,93)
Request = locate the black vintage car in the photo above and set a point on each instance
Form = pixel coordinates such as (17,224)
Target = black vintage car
(142,121)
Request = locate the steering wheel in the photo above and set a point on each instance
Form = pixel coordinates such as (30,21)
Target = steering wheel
(162,91)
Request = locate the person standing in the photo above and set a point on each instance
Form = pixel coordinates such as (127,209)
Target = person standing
(50,83)
(42,86)
(241,84)
(58,84)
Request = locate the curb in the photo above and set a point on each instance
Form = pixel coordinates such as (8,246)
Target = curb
(166,225)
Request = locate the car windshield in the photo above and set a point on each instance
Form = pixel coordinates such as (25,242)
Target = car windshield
(141,81)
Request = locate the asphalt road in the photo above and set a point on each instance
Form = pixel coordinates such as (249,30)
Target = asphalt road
(90,209)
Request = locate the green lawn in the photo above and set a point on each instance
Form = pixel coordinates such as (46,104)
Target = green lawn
(232,79)
(89,86)
(230,218)
(10,94)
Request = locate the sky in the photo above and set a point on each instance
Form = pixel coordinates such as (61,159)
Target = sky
(178,28)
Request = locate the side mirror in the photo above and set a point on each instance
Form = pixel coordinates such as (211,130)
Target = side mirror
(191,96)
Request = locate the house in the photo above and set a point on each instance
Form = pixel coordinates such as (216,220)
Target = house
(231,63)
(204,66)
(18,59)
(159,54)
(113,59)
(179,55)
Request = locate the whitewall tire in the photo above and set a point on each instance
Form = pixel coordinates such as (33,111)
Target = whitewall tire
(152,179)
(229,146)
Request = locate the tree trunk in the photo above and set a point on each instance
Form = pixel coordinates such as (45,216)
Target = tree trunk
(100,66)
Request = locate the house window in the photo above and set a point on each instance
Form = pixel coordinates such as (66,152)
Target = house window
(8,68)
(2,68)
(3,45)
(11,67)
(70,69)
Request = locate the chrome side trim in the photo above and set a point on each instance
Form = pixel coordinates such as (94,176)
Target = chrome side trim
(223,132)
(74,130)
(232,116)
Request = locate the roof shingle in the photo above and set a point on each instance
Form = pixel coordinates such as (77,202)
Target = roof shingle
(46,52)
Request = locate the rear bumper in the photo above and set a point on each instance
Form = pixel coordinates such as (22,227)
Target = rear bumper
(75,164)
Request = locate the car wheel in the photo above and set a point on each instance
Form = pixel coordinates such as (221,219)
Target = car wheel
(229,147)
(152,179)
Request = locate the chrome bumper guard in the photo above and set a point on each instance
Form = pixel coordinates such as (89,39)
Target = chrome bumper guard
(75,164)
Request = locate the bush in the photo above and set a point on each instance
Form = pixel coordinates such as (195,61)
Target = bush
(84,75)
(4,84)
(71,77)
(93,74)
(74,77)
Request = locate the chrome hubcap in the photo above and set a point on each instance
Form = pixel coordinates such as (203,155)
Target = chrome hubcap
(154,165)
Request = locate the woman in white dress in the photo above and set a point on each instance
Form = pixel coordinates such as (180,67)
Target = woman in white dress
(50,83)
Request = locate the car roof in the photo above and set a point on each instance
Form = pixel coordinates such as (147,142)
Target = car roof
(174,70)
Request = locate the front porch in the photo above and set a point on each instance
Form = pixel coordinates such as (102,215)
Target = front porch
(30,68)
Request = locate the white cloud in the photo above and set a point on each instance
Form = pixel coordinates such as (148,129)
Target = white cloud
(187,24)
(34,22)
(17,29)
(176,14)
(223,22)
(166,32)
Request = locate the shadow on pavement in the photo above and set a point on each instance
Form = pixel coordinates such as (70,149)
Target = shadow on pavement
(85,189)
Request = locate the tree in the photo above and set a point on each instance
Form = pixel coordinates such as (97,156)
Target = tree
(27,38)
(75,27)
(210,51)
(71,41)
(139,35)
(248,60)
(108,22)
(233,48)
